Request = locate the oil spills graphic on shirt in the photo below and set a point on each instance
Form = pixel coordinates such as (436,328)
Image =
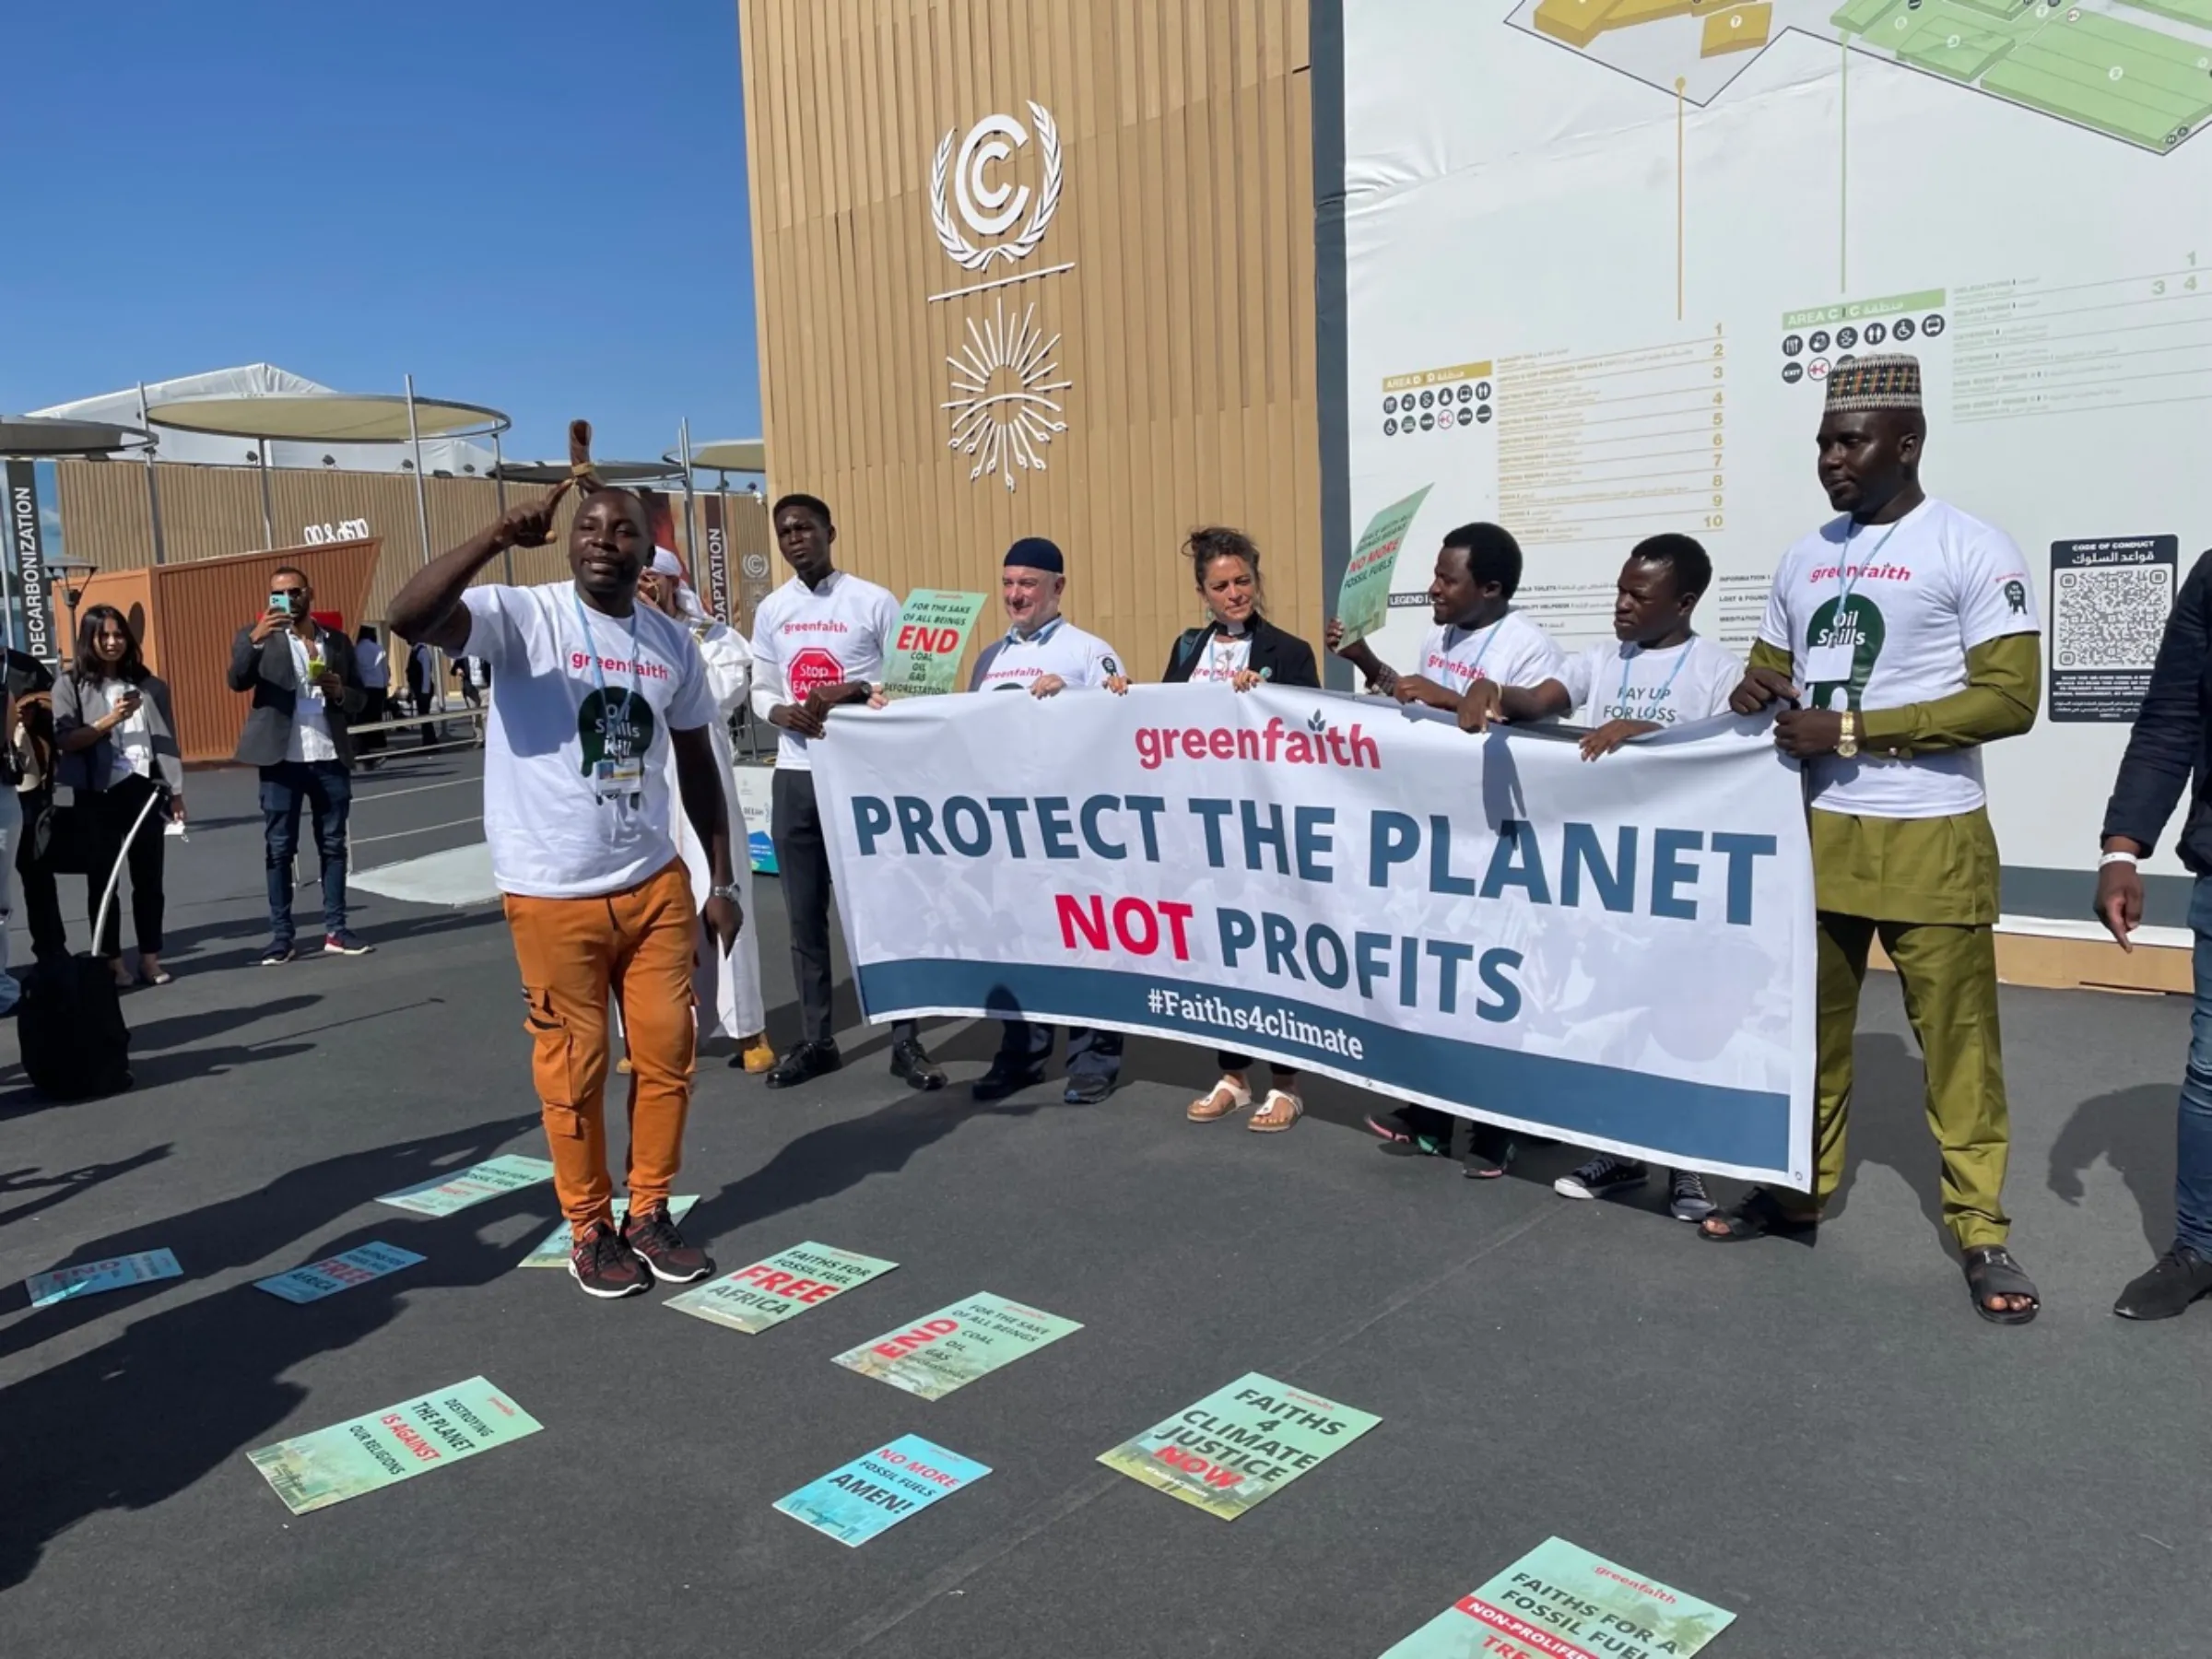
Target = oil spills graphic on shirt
(614,728)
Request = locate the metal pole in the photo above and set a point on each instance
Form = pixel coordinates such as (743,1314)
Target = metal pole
(153,489)
(499,481)
(422,519)
(683,443)
(268,524)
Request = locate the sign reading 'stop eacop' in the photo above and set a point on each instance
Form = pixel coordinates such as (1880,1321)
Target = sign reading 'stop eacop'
(27,555)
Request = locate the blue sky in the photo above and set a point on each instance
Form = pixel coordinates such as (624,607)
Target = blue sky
(539,206)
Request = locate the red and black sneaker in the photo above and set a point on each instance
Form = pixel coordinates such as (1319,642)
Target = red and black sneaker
(604,1266)
(653,1236)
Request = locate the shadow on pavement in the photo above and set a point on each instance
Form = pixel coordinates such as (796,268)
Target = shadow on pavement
(2133,1130)
(190,1386)
(68,1184)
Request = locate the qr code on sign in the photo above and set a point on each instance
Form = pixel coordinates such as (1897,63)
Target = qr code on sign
(2111,618)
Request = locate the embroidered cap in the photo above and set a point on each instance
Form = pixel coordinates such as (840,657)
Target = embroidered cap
(1874,383)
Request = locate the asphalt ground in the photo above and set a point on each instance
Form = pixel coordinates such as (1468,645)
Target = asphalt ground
(1824,1439)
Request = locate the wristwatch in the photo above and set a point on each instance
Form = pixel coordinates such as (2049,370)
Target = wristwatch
(1847,744)
(734,893)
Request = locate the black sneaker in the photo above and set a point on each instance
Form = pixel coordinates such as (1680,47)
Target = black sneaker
(910,1064)
(1603,1176)
(1004,1078)
(1087,1089)
(276,955)
(653,1236)
(1686,1199)
(1418,1131)
(804,1062)
(1490,1152)
(2178,1278)
(604,1266)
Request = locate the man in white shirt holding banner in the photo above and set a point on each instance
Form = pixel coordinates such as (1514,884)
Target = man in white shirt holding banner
(818,642)
(1043,653)
(1902,636)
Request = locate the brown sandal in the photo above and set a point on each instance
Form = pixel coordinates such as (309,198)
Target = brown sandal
(1264,1122)
(1226,1097)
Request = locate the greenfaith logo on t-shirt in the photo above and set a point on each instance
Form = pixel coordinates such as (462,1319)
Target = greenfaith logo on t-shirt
(1852,623)
(614,726)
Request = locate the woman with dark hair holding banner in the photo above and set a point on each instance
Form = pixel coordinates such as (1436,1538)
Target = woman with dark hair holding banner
(1237,647)
(116,734)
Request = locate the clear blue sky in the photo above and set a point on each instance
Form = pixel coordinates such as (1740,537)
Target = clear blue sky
(539,206)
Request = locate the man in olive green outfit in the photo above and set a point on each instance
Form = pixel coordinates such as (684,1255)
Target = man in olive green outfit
(1902,636)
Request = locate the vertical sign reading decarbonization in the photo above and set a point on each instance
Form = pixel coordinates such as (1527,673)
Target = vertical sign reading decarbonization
(27,555)
(718,561)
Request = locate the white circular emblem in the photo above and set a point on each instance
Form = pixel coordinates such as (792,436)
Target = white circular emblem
(989,203)
(754,565)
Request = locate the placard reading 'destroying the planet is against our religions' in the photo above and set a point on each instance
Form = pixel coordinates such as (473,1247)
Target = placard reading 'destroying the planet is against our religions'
(872,1493)
(442,1195)
(341,1272)
(783,1286)
(553,1249)
(955,1346)
(1239,1444)
(89,1278)
(1561,1602)
(379,1448)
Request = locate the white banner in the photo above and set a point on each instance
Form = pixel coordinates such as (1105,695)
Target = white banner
(1619,954)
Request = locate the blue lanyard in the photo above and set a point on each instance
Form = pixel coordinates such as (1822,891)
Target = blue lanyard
(591,648)
(1628,667)
(1475,668)
(1843,563)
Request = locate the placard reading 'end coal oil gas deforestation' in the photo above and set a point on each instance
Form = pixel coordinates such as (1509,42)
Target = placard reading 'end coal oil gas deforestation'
(1363,596)
(89,1278)
(955,1346)
(924,658)
(878,1491)
(442,1195)
(1558,1602)
(379,1447)
(341,1272)
(1239,1444)
(785,1284)
(553,1249)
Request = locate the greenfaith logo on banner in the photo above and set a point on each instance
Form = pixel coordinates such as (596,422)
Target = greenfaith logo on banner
(924,658)
(1363,597)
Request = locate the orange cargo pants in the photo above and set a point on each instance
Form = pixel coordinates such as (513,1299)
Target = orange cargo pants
(637,944)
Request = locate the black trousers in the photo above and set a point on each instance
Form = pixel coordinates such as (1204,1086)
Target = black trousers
(803,863)
(107,818)
(42,899)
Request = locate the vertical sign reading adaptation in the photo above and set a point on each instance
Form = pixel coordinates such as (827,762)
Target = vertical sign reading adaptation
(718,561)
(27,558)
(2110,599)
(1558,1602)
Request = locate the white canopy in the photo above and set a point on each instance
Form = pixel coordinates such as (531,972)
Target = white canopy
(458,456)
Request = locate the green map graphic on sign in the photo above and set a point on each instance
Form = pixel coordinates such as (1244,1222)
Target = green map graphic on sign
(1363,597)
(380,1448)
(1239,1444)
(924,658)
(785,1284)
(1559,1602)
(955,1346)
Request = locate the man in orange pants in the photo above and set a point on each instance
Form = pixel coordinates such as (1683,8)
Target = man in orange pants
(591,688)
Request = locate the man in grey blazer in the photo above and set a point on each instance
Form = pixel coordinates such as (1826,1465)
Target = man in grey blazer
(306,686)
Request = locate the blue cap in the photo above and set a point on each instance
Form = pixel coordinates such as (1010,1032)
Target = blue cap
(1035,553)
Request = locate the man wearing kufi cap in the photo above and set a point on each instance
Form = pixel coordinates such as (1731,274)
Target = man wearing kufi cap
(1898,638)
(1043,653)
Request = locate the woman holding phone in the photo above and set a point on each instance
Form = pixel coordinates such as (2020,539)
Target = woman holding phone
(1237,647)
(116,733)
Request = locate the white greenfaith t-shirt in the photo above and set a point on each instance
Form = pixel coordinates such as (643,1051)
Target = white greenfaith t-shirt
(1615,680)
(805,637)
(1880,616)
(576,795)
(1059,647)
(1512,651)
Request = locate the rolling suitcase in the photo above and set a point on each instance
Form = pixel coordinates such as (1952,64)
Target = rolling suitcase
(76,1045)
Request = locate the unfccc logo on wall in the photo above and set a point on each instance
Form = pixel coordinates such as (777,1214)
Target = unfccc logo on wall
(1005,406)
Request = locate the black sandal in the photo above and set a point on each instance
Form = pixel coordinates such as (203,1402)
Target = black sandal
(1756,1214)
(1490,1152)
(1991,1271)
